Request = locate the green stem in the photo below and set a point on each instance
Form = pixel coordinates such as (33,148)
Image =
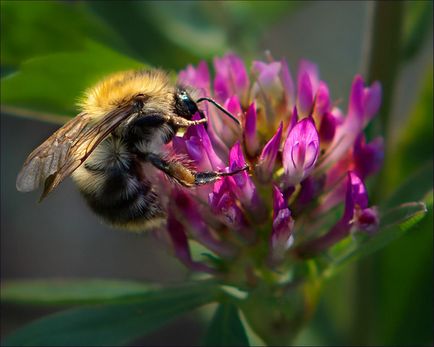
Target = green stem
(383,53)
(382,58)
(277,313)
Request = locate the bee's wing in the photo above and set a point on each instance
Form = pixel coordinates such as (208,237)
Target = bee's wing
(65,150)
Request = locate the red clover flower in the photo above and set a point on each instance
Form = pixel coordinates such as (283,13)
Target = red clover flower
(306,156)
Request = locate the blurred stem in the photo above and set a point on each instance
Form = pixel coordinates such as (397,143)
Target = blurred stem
(382,58)
(382,53)
(277,314)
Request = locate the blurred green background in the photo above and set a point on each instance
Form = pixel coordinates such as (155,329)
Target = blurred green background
(51,51)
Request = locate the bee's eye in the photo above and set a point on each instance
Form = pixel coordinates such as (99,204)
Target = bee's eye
(187,102)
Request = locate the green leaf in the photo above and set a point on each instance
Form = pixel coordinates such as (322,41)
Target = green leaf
(140,27)
(54,83)
(414,188)
(30,28)
(394,223)
(179,33)
(71,291)
(404,318)
(114,324)
(226,328)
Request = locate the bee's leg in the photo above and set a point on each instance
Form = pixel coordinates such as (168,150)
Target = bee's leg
(205,177)
(184,175)
(185,123)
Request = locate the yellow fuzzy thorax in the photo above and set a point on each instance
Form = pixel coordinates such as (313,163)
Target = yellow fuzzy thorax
(122,87)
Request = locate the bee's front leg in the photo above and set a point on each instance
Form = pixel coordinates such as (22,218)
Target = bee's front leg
(184,175)
(185,123)
(205,177)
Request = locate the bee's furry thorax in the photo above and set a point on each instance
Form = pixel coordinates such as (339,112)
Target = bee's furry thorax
(123,87)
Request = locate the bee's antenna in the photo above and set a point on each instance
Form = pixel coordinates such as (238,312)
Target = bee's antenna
(220,107)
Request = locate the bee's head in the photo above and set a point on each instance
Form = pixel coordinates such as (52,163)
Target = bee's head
(184,105)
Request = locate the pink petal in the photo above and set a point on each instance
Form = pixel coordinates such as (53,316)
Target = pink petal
(288,84)
(311,69)
(372,100)
(300,151)
(196,77)
(304,96)
(250,135)
(327,128)
(268,156)
(368,158)
(180,244)
(278,201)
(322,101)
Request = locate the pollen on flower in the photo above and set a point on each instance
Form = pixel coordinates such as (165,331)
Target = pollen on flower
(306,158)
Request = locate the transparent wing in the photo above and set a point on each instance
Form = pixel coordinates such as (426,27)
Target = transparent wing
(65,150)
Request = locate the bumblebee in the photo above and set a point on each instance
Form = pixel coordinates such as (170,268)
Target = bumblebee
(125,122)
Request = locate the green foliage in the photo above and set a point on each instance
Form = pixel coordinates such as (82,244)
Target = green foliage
(114,324)
(45,84)
(34,28)
(71,291)
(226,328)
(190,30)
(140,28)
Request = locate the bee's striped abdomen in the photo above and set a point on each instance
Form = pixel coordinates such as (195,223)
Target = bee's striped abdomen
(114,191)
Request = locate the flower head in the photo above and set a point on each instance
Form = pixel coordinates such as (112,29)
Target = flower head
(305,156)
